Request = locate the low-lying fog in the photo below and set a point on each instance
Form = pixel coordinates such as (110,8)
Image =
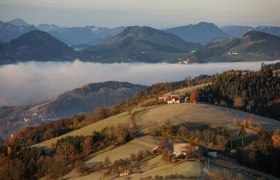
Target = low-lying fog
(33,82)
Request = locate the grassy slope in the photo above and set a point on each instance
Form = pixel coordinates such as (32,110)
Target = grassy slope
(118,119)
(201,115)
(134,146)
(196,115)
(88,130)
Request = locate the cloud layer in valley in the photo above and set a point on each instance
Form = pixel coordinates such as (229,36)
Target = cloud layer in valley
(34,82)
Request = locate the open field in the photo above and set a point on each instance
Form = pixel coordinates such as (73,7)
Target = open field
(201,115)
(157,166)
(152,167)
(132,147)
(194,115)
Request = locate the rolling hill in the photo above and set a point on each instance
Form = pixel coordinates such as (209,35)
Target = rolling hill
(141,44)
(35,45)
(80,100)
(202,32)
(188,114)
(253,46)
(87,98)
(185,113)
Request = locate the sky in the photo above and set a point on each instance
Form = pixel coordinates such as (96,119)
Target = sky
(154,13)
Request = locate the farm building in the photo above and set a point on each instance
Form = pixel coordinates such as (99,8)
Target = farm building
(185,148)
(173,99)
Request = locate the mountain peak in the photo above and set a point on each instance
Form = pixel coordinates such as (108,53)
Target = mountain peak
(37,45)
(203,32)
(205,24)
(138,29)
(18,22)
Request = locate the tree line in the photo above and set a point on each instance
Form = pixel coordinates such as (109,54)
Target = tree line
(256,92)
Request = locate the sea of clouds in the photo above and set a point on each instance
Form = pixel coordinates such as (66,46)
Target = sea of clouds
(34,82)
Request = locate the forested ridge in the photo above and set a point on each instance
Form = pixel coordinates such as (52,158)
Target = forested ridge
(256,92)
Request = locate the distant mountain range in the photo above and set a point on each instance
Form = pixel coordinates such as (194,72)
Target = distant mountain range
(239,31)
(74,36)
(35,45)
(131,44)
(9,31)
(141,44)
(253,46)
(199,33)
(202,32)
(84,99)
(236,31)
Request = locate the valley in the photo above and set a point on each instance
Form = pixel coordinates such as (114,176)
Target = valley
(139,90)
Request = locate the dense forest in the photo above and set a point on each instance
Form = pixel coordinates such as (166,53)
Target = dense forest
(256,92)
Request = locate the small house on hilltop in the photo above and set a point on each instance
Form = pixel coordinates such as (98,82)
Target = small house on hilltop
(187,151)
(173,99)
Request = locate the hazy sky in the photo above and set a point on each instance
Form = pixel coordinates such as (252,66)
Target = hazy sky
(155,13)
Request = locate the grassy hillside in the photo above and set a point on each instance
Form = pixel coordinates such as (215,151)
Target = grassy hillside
(195,115)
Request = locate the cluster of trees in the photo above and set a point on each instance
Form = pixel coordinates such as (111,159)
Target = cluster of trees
(263,156)
(256,92)
(21,162)
(218,137)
